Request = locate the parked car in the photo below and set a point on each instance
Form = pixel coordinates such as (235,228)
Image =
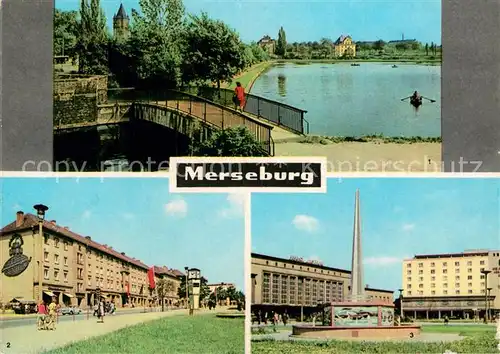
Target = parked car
(70,311)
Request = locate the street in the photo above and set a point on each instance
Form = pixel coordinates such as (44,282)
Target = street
(31,320)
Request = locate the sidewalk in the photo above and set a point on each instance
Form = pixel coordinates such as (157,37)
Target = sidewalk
(28,340)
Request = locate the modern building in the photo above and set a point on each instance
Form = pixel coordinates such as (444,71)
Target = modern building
(121,24)
(42,259)
(216,286)
(294,283)
(344,47)
(454,284)
(268,44)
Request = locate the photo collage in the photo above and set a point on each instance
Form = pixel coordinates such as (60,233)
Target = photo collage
(229,177)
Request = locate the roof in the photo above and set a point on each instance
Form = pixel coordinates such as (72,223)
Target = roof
(30,220)
(121,14)
(163,270)
(454,255)
(379,290)
(341,39)
(277,259)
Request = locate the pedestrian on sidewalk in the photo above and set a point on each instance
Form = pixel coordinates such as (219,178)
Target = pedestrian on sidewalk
(100,312)
(52,315)
(239,96)
(42,316)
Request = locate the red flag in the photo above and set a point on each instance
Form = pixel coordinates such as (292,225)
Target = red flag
(151,277)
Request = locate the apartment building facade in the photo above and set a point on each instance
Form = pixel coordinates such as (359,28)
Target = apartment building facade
(58,262)
(453,284)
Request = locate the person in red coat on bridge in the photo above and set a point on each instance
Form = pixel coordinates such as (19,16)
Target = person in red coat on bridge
(239,96)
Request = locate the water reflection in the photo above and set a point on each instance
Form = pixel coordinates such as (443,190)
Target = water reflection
(132,146)
(282,85)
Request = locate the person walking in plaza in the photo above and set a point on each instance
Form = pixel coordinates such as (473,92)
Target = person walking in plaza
(52,315)
(284,317)
(100,312)
(42,316)
(239,96)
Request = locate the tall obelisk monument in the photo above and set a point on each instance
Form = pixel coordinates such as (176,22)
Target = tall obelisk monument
(357,287)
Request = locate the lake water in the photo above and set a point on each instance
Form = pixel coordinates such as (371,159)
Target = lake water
(344,100)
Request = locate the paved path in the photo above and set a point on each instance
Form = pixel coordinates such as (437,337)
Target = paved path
(28,340)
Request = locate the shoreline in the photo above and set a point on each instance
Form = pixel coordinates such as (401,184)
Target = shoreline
(350,61)
(380,139)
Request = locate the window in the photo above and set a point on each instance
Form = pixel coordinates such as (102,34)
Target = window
(445,271)
(56,274)
(66,276)
(46,256)
(482,284)
(65,246)
(420,265)
(482,291)
(445,278)
(56,259)
(469,291)
(46,273)
(457,270)
(433,278)
(408,272)
(65,261)
(56,242)
(445,292)
(408,265)
(409,292)
(408,286)
(433,292)
(481,262)
(433,264)
(420,271)
(420,286)
(469,285)
(433,285)
(457,292)
(421,279)
(457,277)
(482,269)
(457,285)
(445,264)
(469,277)
(433,271)
(482,276)
(457,264)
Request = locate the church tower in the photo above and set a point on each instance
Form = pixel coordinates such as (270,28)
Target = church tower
(120,24)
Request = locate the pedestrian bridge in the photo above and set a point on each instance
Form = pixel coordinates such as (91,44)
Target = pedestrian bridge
(193,112)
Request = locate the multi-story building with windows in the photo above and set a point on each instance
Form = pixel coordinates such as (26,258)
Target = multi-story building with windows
(455,284)
(294,284)
(58,262)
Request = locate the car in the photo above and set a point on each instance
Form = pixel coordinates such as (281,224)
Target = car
(70,311)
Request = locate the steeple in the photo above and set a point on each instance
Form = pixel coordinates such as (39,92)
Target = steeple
(357,287)
(120,24)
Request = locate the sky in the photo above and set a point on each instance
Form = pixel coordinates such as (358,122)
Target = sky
(399,218)
(311,20)
(140,217)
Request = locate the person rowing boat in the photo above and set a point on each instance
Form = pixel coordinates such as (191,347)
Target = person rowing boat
(416,99)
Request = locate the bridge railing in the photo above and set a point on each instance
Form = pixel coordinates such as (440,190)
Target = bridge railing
(283,115)
(211,113)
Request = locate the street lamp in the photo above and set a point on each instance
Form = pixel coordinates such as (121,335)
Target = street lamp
(401,304)
(187,287)
(40,213)
(485,273)
(489,304)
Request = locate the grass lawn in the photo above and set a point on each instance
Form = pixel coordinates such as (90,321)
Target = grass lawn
(205,334)
(479,339)
(248,76)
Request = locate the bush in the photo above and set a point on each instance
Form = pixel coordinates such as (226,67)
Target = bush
(238,141)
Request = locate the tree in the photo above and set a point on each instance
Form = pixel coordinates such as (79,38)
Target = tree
(156,42)
(379,45)
(214,52)
(65,32)
(427,49)
(163,288)
(92,43)
(237,141)
(281,43)
(326,46)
